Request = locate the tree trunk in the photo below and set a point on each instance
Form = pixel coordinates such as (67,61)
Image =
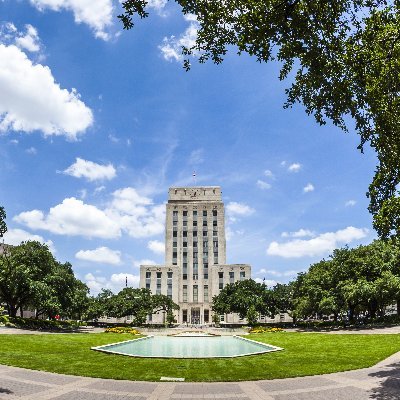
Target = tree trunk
(12,310)
(21,311)
(398,307)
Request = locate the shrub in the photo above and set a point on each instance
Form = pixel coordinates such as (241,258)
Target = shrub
(264,329)
(123,329)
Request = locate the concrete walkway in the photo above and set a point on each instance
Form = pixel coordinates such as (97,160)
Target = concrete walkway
(381,382)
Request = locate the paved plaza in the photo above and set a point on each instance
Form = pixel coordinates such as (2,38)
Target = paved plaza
(381,382)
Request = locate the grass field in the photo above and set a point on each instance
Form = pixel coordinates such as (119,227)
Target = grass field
(303,354)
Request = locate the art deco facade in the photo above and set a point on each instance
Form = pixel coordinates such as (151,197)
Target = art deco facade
(195,267)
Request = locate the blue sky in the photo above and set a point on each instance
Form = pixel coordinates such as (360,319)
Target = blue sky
(97,123)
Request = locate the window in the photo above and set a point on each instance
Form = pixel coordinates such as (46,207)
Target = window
(194,244)
(242,275)
(195,293)
(185,213)
(222,317)
(158,289)
(231,277)
(220,280)
(215,213)
(204,233)
(184,315)
(184,293)
(184,271)
(205,244)
(195,255)
(194,223)
(184,255)
(194,214)
(206,293)
(215,223)
(148,279)
(174,254)
(205,222)
(184,223)
(215,257)
(175,223)
(174,244)
(205,268)
(194,233)
(215,244)
(184,233)
(175,234)
(195,270)
(169,285)
(205,213)
(184,244)
(175,213)
(206,316)
(215,233)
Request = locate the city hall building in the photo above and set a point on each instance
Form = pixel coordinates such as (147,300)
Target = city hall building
(195,267)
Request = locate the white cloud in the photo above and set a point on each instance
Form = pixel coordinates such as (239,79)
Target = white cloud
(281,274)
(350,203)
(90,170)
(145,261)
(268,173)
(136,214)
(98,15)
(157,5)
(263,185)
(16,236)
(295,167)
(100,255)
(300,233)
(115,283)
(308,188)
(31,150)
(320,245)
(31,100)
(156,246)
(30,40)
(234,208)
(128,212)
(72,217)
(171,48)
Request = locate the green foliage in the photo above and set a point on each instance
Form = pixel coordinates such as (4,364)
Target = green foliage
(252,315)
(342,58)
(30,277)
(42,324)
(3,225)
(359,281)
(241,296)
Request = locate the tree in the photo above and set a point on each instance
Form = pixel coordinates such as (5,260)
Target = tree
(130,301)
(241,296)
(342,58)
(162,303)
(3,225)
(22,269)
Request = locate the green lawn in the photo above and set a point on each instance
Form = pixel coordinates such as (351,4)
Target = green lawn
(303,354)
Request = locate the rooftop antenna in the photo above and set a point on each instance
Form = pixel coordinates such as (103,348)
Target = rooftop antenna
(194,177)
(126,281)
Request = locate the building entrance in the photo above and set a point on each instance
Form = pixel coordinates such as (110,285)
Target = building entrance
(195,316)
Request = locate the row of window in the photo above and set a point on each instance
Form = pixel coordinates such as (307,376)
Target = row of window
(195,294)
(185,213)
(158,282)
(195,244)
(242,276)
(194,233)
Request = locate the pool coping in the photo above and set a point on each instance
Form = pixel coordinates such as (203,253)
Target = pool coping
(271,350)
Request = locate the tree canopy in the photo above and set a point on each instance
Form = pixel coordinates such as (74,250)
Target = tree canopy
(342,61)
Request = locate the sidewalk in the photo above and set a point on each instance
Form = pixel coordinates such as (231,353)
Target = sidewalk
(381,382)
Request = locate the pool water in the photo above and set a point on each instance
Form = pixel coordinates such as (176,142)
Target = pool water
(188,347)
